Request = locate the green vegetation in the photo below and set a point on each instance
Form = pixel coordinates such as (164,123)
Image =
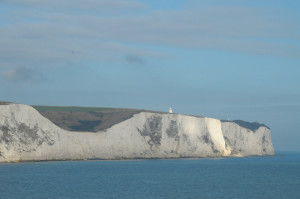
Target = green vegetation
(85,119)
(248,125)
(252,126)
(70,108)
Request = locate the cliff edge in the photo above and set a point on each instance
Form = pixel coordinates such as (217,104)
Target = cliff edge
(26,135)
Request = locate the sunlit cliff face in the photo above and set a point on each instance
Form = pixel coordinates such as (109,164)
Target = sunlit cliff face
(27,135)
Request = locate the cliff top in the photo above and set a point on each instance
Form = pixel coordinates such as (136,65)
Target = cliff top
(253,126)
(93,119)
(4,103)
(89,119)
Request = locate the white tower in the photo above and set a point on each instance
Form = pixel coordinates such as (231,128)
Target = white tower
(170,110)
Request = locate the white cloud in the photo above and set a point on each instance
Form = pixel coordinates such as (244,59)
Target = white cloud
(43,33)
(78,4)
(20,74)
(9,74)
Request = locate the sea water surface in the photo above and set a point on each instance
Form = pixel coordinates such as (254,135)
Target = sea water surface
(242,178)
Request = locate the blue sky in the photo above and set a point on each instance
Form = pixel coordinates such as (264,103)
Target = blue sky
(228,59)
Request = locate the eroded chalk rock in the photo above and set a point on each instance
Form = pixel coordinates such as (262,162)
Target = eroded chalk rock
(26,135)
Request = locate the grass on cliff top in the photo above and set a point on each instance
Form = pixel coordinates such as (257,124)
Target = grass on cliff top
(70,108)
(248,125)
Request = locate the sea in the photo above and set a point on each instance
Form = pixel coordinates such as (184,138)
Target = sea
(225,178)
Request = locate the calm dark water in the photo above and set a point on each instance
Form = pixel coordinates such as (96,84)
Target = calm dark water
(252,177)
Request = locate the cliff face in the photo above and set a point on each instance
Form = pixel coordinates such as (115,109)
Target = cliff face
(27,135)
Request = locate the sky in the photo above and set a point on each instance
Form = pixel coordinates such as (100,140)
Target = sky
(227,59)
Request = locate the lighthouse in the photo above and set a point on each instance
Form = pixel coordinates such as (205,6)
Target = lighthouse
(170,110)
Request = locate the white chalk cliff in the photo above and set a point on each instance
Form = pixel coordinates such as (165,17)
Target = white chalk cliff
(26,135)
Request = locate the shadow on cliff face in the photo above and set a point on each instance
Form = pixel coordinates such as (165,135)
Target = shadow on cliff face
(24,138)
(172,130)
(152,131)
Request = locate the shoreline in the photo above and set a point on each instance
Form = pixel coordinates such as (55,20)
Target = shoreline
(132,159)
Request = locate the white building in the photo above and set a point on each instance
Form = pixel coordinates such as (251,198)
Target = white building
(170,110)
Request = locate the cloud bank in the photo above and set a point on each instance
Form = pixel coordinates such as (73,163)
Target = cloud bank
(59,32)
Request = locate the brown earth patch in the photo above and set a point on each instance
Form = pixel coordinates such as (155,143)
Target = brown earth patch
(87,121)
(4,103)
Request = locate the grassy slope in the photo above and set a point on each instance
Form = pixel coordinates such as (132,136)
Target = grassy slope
(93,119)
(89,119)
(70,108)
